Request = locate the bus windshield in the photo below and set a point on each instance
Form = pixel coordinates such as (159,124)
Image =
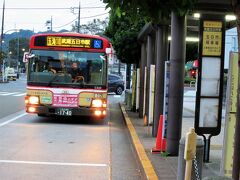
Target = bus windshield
(67,68)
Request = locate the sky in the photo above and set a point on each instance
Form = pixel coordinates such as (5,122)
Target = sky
(33,14)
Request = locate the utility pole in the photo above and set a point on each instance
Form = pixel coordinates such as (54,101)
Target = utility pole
(51,23)
(18,51)
(78,26)
(47,24)
(2,24)
(2,40)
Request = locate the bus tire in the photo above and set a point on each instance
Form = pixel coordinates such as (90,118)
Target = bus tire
(41,115)
(100,120)
(103,121)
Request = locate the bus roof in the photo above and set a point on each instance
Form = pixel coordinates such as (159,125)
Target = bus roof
(68,35)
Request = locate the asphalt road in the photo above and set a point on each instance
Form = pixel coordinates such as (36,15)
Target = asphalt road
(12,96)
(33,147)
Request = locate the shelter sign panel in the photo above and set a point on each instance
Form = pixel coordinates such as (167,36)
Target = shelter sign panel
(210,75)
(212,38)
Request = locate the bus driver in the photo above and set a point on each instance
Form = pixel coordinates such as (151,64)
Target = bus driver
(75,72)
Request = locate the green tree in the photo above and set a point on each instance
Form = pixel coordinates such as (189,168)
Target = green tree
(16,52)
(129,16)
(123,33)
(154,11)
(191,51)
(97,26)
(2,56)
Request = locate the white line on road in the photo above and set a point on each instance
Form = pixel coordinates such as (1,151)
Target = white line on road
(20,94)
(53,163)
(9,94)
(13,119)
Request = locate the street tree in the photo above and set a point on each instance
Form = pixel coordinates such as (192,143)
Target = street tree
(191,51)
(17,47)
(96,26)
(3,55)
(155,11)
(123,33)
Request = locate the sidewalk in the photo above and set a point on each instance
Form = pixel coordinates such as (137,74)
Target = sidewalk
(166,167)
(1,80)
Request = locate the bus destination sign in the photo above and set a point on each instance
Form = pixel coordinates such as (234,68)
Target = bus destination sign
(57,41)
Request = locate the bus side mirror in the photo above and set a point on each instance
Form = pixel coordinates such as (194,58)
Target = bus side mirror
(27,56)
(108,50)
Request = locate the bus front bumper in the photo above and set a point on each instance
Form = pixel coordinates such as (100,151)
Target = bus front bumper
(66,111)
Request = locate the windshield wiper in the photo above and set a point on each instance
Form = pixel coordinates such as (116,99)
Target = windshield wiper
(81,85)
(50,82)
(73,85)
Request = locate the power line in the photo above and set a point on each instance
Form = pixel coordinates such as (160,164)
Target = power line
(80,18)
(93,3)
(79,13)
(94,16)
(66,24)
(59,8)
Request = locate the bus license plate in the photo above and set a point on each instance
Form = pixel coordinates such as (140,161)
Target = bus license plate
(64,112)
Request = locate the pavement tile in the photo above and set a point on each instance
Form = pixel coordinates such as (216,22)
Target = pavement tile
(166,167)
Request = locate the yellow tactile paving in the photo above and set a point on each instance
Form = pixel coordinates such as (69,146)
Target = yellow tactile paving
(146,163)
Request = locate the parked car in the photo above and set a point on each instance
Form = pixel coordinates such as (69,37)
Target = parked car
(10,74)
(115,84)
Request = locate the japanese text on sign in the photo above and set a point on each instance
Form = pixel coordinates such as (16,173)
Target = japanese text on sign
(212,38)
(68,42)
(65,100)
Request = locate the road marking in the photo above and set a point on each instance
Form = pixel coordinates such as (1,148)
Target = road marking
(6,94)
(117,96)
(22,94)
(13,119)
(54,163)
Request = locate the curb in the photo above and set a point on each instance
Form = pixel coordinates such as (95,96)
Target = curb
(4,82)
(142,156)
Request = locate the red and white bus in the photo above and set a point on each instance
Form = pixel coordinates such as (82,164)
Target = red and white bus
(67,75)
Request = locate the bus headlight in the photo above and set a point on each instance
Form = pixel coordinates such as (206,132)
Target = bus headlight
(31,109)
(33,100)
(97,103)
(98,113)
